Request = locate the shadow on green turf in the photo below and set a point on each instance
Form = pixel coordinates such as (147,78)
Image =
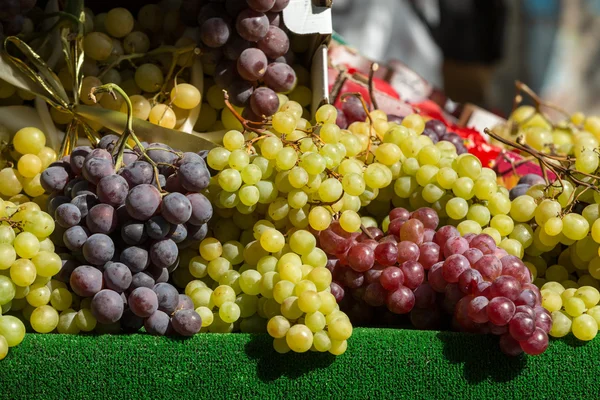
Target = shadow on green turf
(481,357)
(271,366)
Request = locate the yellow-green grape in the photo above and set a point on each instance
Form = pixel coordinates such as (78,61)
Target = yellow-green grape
(330,133)
(340,328)
(281,346)
(163,115)
(595,313)
(457,208)
(207,316)
(278,326)
(218,267)
(119,22)
(554,287)
(569,284)
(29,165)
(377,176)
(268,283)
(503,224)
(87,84)
(193,285)
(185,96)
(85,320)
(553,226)
(414,122)
(150,79)
(222,294)
(328,303)
(446,177)
(469,226)
(575,227)
(39,295)
(140,107)
(3,347)
(272,240)
(293,107)
(67,323)
(302,242)
(388,153)
(551,301)
(7,290)
(319,218)
(202,297)
(321,277)
(584,327)
(22,272)
(299,338)
(282,290)
(44,319)
(210,249)
(589,295)
(587,161)
(284,122)
(479,214)
(574,306)
(10,182)
(523,208)
(21,292)
(538,137)
(38,223)
(350,221)
(8,255)
(98,46)
(561,324)
(61,299)
(26,245)
(463,188)
(12,329)
(567,294)
(198,267)
(233,140)
(338,347)
(29,140)
(286,159)
(47,156)
(47,263)
(309,301)
(47,245)
(326,114)
(315,321)
(229,312)
(321,341)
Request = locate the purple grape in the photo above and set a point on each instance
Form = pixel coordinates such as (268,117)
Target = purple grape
(158,324)
(67,215)
(95,169)
(98,249)
(163,253)
(138,173)
(424,296)
(143,302)
(353,110)
(98,153)
(54,179)
(428,216)
(201,209)
(86,281)
(275,20)
(280,77)
(107,306)
(133,233)
(341,120)
(102,218)
(117,277)
(531,179)
(264,101)
(168,297)
(78,157)
(75,237)
(83,187)
(136,258)
(143,201)
(53,203)
(513,266)
(252,64)
(252,25)
(518,190)
(215,32)
(275,43)
(160,275)
(431,135)
(543,321)
(185,303)
(186,322)
(112,190)
(225,73)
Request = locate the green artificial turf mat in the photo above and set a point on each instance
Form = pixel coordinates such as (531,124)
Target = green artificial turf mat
(379,363)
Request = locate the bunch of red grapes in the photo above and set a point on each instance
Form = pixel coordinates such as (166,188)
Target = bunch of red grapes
(436,275)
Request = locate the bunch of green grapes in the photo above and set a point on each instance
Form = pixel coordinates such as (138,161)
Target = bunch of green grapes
(24,158)
(573,310)
(27,263)
(265,281)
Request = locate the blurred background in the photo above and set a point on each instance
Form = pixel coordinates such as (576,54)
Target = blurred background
(474,50)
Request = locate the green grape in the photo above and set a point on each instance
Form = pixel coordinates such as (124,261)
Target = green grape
(468,226)
(388,153)
(3,347)
(561,324)
(377,176)
(230,180)
(575,227)
(284,122)
(44,319)
(494,234)
(10,182)
(584,327)
(22,272)
(119,22)
(61,299)
(432,193)
(29,165)
(47,263)
(484,188)
(410,166)
(595,313)
(587,161)
(350,221)
(457,208)
(8,255)
(278,326)
(426,174)
(479,214)
(12,329)
(233,140)
(39,295)
(7,290)
(330,133)
(272,240)
(574,306)
(522,233)
(67,322)
(286,158)
(239,159)
(512,247)
(414,122)
(326,114)
(429,155)
(98,46)
(547,209)
(589,295)
(523,208)
(210,249)
(302,242)
(464,188)
(309,300)
(185,96)
(446,177)
(468,166)
(229,312)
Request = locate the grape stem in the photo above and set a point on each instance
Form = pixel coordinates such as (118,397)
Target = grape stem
(111,88)
(374,68)
(366,231)
(245,123)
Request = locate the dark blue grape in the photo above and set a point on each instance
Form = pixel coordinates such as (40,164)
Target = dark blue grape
(98,249)
(163,253)
(142,279)
(430,133)
(186,322)
(136,258)
(67,215)
(168,297)
(107,306)
(143,201)
(83,187)
(353,110)
(108,142)
(518,190)
(157,227)
(85,202)
(96,168)
(138,173)
(189,157)
(53,203)
(185,303)
(129,157)
(160,275)
(531,179)
(117,277)
(133,233)
(176,208)
(131,323)
(78,158)
(75,237)
(166,156)
(201,209)
(98,153)
(54,179)
(112,190)
(436,125)
(158,324)
(68,266)
(178,233)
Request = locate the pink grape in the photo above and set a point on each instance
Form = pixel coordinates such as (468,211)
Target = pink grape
(521,326)
(536,344)
(484,242)
(454,265)
(543,321)
(514,267)
(489,267)
(401,301)
(399,212)
(473,255)
(468,280)
(386,253)
(407,251)
(391,278)
(505,286)
(444,233)
(375,295)
(525,309)
(527,297)
(412,230)
(428,216)
(477,309)
(435,277)
(424,296)
(455,245)
(414,274)
(429,254)
(509,346)
(500,310)
(482,289)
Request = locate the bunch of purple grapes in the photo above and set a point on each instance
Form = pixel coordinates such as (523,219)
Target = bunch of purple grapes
(247,46)
(124,234)
(470,282)
(12,15)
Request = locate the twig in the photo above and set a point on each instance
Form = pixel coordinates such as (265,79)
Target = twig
(374,68)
